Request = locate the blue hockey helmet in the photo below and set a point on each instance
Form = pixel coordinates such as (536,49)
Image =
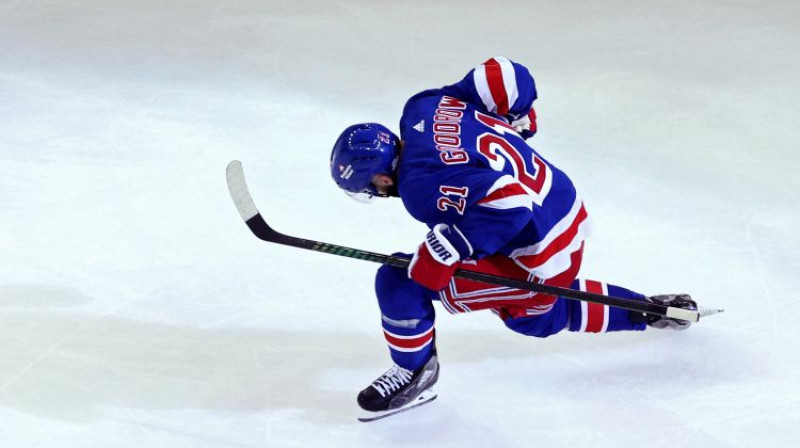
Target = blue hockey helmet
(361,152)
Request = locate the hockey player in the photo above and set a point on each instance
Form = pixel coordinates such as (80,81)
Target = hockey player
(493,204)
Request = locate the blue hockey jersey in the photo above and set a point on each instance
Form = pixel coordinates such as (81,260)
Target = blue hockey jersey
(464,165)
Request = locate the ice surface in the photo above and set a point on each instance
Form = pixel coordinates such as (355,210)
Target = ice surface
(136,310)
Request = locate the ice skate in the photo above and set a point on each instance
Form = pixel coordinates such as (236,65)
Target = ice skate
(399,390)
(683,301)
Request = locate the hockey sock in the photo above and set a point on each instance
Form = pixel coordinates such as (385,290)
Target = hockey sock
(595,318)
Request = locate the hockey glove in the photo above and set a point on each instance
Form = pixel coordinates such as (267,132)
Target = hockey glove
(683,301)
(438,257)
(525,125)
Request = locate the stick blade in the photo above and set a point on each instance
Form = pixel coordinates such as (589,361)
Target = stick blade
(703,311)
(237,186)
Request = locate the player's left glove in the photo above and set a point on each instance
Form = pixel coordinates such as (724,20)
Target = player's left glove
(525,125)
(438,257)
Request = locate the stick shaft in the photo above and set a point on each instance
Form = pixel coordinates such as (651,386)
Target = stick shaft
(252,217)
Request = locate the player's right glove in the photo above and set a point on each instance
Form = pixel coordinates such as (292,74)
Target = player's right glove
(525,125)
(438,257)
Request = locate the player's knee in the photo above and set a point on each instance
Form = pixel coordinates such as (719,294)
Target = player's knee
(399,297)
(392,284)
(536,332)
(538,326)
(542,325)
(390,277)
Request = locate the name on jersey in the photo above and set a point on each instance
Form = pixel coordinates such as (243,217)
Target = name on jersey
(447,130)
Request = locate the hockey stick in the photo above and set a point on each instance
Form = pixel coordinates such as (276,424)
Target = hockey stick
(252,217)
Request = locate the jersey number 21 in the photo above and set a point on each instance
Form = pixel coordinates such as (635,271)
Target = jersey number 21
(531,171)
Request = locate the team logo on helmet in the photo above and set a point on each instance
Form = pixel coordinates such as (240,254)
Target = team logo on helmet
(345,171)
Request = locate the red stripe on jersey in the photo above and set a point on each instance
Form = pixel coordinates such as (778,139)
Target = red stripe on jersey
(514,189)
(494,77)
(409,342)
(558,244)
(594,311)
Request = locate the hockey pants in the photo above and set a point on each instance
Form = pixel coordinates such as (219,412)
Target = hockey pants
(408,314)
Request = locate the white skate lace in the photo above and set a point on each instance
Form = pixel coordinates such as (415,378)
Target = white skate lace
(393,379)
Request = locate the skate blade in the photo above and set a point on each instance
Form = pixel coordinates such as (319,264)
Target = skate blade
(423,398)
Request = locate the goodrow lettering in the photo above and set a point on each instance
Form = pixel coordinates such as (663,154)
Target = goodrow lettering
(447,130)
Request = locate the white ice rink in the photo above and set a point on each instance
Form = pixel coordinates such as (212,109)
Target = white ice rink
(137,311)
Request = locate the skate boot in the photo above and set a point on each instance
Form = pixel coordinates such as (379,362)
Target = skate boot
(683,301)
(399,390)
